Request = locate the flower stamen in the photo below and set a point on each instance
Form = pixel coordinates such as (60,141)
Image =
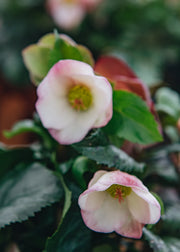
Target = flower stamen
(119,192)
(80,97)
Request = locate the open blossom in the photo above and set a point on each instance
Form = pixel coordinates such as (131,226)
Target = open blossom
(69,13)
(72,100)
(117,201)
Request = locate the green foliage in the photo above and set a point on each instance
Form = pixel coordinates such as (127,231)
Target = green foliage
(132,120)
(80,166)
(111,156)
(158,244)
(31,126)
(160,166)
(25,191)
(168,103)
(72,236)
(10,157)
(40,57)
(171,220)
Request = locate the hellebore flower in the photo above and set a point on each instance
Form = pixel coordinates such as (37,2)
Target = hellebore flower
(117,201)
(69,13)
(72,100)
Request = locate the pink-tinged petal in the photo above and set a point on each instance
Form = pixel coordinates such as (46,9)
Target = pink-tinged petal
(65,123)
(119,178)
(71,67)
(96,177)
(111,67)
(54,109)
(144,207)
(110,216)
(68,16)
(131,228)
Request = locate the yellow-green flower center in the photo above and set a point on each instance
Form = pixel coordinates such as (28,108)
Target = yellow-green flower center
(80,97)
(119,192)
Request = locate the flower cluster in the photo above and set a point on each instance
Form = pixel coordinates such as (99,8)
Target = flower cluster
(73,99)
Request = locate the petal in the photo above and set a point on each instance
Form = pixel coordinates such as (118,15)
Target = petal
(68,16)
(144,207)
(91,201)
(110,67)
(110,216)
(131,228)
(71,67)
(96,177)
(102,97)
(120,178)
(52,105)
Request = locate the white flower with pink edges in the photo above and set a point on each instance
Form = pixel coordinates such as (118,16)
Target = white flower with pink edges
(72,100)
(117,201)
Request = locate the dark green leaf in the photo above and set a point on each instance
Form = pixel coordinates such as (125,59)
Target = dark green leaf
(158,244)
(112,157)
(81,165)
(72,236)
(171,220)
(104,248)
(25,191)
(95,138)
(11,157)
(132,120)
(160,165)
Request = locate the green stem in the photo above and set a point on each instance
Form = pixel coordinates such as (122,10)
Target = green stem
(67,192)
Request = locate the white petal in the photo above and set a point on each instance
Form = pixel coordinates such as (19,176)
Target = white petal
(108,218)
(71,67)
(102,97)
(144,207)
(131,228)
(91,201)
(52,105)
(68,16)
(96,177)
(75,131)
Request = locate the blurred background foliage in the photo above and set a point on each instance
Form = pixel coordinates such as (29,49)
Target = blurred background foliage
(144,32)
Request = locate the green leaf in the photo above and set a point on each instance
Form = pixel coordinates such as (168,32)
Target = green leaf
(36,60)
(81,165)
(10,157)
(63,50)
(72,236)
(171,220)
(160,165)
(168,101)
(158,244)
(95,138)
(30,126)
(112,157)
(25,191)
(132,120)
